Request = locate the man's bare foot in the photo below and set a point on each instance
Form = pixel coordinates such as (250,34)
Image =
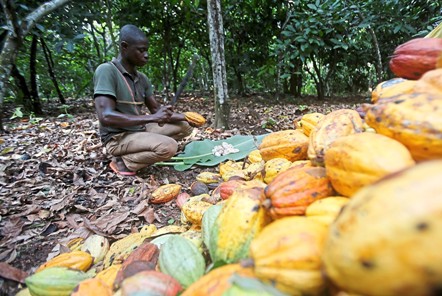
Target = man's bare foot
(118,166)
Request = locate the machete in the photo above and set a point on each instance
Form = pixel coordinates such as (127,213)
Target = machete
(186,78)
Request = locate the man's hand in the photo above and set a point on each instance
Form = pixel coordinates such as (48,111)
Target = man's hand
(164,114)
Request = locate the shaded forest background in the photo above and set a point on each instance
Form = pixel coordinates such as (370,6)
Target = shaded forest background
(283,48)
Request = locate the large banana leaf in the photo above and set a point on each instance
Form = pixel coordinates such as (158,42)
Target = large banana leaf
(200,152)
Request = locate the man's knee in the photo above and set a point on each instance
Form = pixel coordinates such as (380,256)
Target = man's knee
(167,149)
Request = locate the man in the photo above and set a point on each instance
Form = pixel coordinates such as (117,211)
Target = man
(135,140)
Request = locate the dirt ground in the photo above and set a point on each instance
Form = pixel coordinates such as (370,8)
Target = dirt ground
(55,183)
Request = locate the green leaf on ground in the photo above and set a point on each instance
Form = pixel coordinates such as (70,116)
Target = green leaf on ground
(200,152)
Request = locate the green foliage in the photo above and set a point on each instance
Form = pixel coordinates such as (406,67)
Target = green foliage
(65,113)
(328,45)
(332,39)
(17,113)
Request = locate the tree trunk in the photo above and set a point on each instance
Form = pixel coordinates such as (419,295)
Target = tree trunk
(175,66)
(279,88)
(109,18)
(50,63)
(319,82)
(95,41)
(186,78)
(20,81)
(166,45)
(216,35)
(16,33)
(378,64)
(35,98)
(295,84)
(239,81)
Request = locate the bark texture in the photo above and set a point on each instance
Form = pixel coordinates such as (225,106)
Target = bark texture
(216,34)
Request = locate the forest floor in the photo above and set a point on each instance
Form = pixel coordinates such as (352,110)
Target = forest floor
(55,182)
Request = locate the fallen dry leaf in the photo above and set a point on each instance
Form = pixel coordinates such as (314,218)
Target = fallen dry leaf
(11,273)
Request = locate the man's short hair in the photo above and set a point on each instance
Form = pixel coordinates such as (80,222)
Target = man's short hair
(131,34)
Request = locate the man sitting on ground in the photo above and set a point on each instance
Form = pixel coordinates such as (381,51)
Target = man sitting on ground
(135,140)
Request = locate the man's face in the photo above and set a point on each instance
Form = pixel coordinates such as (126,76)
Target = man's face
(136,52)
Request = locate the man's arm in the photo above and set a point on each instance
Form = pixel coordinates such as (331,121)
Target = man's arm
(108,116)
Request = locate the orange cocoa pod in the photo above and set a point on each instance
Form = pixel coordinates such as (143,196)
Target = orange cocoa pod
(91,287)
(195,118)
(75,260)
(165,193)
(293,190)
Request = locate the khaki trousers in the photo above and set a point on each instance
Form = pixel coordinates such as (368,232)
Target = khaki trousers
(141,149)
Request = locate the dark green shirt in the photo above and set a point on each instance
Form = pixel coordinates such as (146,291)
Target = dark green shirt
(129,93)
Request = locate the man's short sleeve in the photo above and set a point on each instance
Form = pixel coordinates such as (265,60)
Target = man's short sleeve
(105,80)
(148,88)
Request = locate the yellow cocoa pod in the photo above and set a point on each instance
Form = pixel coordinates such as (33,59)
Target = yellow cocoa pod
(75,244)
(415,120)
(195,118)
(121,249)
(254,171)
(230,165)
(109,274)
(239,174)
(391,88)
(194,210)
(336,124)
(254,156)
(274,166)
(169,229)
(75,260)
(326,210)
(165,193)
(289,144)
(240,220)
(97,246)
(208,177)
(287,254)
(351,164)
(309,121)
(387,235)
(148,230)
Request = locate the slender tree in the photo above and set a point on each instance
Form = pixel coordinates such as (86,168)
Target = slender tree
(216,34)
(17,30)
(50,63)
